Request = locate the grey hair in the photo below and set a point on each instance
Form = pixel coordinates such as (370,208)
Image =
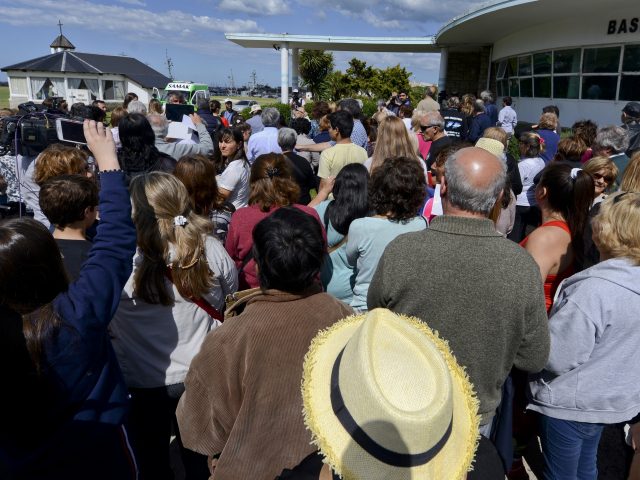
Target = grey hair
(352,106)
(453,102)
(613,137)
(433,118)
(159,124)
(270,117)
(463,194)
(487,96)
(287,138)
(137,106)
(478,106)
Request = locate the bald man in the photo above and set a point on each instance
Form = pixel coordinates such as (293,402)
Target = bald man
(480,291)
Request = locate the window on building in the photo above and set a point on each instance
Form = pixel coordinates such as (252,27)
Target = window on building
(601,60)
(566,61)
(113,90)
(630,88)
(501,70)
(566,86)
(524,66)
(514,87)
(599,87)
(46,87)
(19,86)
(90,84)
(526,87)
(542,63)
(631,58)
(542,87)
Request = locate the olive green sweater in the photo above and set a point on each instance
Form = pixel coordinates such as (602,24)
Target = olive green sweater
(481,292)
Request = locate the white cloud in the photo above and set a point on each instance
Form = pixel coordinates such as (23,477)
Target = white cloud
(396,14)
(263,7)
(132,23)
(137,3)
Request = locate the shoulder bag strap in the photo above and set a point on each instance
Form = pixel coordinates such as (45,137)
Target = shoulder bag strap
(201,302)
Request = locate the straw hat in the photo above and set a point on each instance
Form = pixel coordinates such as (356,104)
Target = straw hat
(396,386)
(491,146)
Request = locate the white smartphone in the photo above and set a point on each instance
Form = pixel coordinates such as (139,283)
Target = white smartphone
(70,131)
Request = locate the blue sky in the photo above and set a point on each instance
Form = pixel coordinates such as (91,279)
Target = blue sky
(193,31)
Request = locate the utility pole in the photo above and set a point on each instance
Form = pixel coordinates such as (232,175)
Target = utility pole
(254,84)
(232,84)
(169,64)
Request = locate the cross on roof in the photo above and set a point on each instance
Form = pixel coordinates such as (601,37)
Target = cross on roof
(60,26)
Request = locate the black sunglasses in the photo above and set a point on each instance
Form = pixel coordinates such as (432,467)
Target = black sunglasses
(423,128)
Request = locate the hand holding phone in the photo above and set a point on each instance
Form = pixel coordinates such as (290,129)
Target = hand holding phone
(70,131)
(100,142)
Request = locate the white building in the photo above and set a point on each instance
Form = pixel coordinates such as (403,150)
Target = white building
(581,55)
(73,75)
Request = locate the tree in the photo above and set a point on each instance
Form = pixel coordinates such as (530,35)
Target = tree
(391,79)
(360,77)
(315,66)
(336,86)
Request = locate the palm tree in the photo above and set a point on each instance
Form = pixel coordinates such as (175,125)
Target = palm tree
(315,66)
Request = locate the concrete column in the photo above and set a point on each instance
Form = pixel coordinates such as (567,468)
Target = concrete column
(295,68)
(444,60)
(284,72)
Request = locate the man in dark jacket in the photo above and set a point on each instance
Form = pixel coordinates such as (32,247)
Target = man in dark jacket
(480,121)
(212,123)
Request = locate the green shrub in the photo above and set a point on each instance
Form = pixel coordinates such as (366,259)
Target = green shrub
(369,107)
(285,110)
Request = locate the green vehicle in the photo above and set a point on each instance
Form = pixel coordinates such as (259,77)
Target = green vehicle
(192,92)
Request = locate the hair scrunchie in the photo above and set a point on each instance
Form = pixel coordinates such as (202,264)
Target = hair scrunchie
(179,221)
(574,173)
(273,172)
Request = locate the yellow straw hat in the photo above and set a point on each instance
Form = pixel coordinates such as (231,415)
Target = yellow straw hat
(491,146)
(384,398)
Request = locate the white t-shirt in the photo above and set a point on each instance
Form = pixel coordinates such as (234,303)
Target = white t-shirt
(155,343)
(235,179)
(529,168)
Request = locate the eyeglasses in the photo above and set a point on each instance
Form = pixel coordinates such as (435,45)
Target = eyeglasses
(599,176)
(423,128)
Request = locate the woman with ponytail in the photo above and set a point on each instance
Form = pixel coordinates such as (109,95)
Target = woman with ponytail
(272,187)
(564,195)
(173,298)
(531,147)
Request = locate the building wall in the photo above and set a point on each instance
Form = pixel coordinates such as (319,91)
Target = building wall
(615,27)
(467,70)
(17,97)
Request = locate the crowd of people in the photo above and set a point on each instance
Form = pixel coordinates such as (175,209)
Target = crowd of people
(419,294)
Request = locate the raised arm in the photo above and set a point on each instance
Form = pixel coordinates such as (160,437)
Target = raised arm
(109,264)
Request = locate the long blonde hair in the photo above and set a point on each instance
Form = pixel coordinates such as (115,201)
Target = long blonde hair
(394,140)
(171,237)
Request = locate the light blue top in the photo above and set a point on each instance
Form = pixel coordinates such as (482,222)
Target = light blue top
(592,374)
(338,276)
(367,239)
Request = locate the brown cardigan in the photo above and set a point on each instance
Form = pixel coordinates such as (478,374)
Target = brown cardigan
(242,396)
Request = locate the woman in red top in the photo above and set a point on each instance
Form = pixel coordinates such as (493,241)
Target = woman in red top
(272,187)
(564,195)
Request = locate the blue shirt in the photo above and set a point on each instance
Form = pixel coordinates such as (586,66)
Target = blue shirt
(337,275)
(265,141)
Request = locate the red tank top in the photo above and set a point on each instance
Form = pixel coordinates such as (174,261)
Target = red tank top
(552,282)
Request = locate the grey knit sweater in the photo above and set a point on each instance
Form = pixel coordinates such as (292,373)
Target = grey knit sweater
(481,292)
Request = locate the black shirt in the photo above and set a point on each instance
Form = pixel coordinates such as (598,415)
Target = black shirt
(436,147)
(303,176)
(74,253)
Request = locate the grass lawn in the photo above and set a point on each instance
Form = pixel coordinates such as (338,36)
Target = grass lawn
(4,97)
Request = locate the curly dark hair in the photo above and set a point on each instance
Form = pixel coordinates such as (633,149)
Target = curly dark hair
(397,188)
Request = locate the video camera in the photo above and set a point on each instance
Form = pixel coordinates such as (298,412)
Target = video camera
(30,131)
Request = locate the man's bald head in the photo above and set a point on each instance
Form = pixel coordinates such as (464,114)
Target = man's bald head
(474,180)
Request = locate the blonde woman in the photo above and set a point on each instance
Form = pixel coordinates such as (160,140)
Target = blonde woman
(592,378)
(631,176)
(180,278)
(394,140)
(604,173)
